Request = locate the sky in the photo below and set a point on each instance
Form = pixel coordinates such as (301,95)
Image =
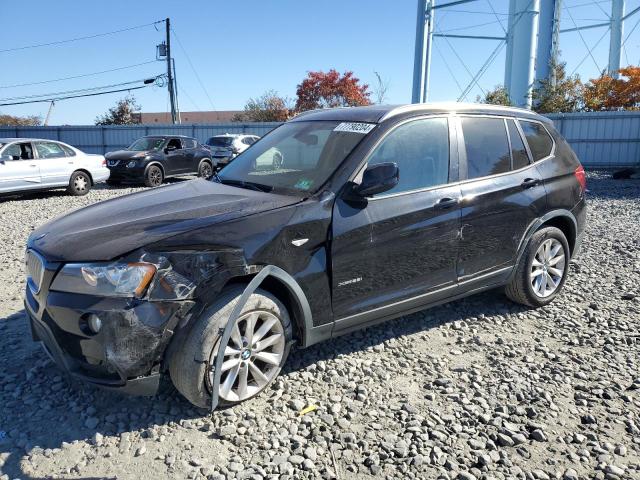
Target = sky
(228,52)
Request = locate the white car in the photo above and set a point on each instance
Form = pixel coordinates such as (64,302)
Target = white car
(225,148)
(38,164)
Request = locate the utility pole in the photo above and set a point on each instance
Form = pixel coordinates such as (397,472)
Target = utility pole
(51,105)
(172,95)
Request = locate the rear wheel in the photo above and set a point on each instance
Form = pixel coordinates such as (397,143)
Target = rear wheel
(153,177)
(254,355)
(79,184)
(542,270)
(205,170)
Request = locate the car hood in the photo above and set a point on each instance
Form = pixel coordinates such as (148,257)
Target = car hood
(109,229)
(124,154)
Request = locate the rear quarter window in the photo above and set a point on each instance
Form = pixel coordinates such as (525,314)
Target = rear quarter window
(539,140)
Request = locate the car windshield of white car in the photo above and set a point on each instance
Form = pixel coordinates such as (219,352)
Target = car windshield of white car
(146,144)
(297,157)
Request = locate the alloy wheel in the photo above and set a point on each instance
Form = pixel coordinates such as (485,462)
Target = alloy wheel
(547,268)
(251,358)
(206,171)
(155,176)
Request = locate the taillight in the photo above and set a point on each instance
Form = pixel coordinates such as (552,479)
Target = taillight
(104,162)
(581,177)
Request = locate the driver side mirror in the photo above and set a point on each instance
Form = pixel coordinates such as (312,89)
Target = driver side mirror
(6,158)
(377,179)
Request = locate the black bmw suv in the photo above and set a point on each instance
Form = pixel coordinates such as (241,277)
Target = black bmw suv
(153,158)
(370,213)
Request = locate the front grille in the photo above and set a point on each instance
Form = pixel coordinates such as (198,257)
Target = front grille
(113,163)
(35,270)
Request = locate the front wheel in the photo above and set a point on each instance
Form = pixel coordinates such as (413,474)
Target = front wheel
(79,184)
(542,270)
(257,349)
(153,177)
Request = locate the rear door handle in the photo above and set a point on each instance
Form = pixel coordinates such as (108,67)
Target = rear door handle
(447,202)
(530,182)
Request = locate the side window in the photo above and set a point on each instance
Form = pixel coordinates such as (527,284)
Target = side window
(68,151)
(13,151)
(174,142)
(421,151)
(49,150)
(518,151)
(487,147)
(540,143)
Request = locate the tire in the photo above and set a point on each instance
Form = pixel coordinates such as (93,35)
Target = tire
(191,375)
(205,170)
(79,184)
(524,287)
(153,177)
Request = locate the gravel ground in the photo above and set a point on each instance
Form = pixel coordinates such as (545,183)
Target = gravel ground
(476,389)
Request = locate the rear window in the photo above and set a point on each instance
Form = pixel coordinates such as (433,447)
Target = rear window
(220,141)
(540,143)
(487,146)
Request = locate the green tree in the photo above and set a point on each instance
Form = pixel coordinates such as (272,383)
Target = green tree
(565,94)
(125,112)
(498,96)
(270,107)
(12,120)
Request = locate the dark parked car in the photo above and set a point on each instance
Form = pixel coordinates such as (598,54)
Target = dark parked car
(373,213)
(153,158)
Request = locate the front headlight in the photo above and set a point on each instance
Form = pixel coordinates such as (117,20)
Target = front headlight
(105,279)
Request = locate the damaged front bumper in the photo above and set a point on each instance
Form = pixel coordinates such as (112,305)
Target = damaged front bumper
(128,350)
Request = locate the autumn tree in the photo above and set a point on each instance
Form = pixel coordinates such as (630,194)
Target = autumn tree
(270,107)
(562,94)
(124,113)
(15,121)
(498,96)
(608,93)
(330,89)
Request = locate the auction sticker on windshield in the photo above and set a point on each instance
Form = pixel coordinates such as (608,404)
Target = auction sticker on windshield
(352,127)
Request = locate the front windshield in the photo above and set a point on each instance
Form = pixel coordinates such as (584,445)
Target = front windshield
(145,144)
(220,141)
(296,157)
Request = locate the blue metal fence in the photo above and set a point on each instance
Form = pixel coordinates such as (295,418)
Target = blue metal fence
(107,138)
(600,139)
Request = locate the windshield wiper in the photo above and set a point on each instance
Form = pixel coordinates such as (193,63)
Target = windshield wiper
(258,187)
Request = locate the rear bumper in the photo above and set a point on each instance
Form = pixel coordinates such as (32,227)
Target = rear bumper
(100,174)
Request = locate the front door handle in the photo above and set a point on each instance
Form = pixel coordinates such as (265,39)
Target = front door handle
(530,182)
(447,202)
(32,165)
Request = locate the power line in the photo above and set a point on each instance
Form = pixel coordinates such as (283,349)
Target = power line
(87,37)
(74,96)
(195,72)
(91,89)
(78,76)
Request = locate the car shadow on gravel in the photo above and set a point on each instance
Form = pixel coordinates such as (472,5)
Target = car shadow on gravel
(33,391)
